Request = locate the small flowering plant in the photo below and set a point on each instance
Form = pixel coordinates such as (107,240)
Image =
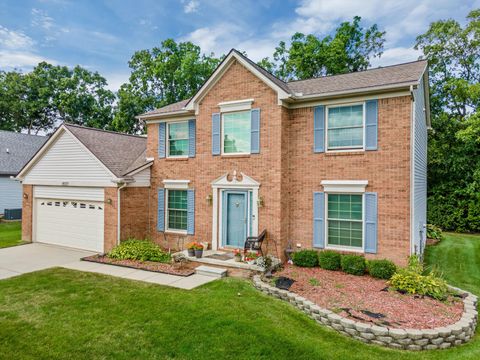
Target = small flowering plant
(237,252)
(252,256)
(194,246)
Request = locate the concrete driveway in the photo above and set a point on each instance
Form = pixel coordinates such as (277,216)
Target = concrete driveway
(22,259)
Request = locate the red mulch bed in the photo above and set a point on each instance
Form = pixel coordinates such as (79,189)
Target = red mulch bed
(142,265)
(348,295)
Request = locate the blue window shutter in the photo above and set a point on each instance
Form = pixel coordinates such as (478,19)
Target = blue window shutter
(371,124)
(319,129)
(191,138)
(216,134)
(190,212)
(370,222)
(161,210)
(255,131)
(162,129)
(319,219)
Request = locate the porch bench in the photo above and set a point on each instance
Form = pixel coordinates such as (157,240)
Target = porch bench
(254,243)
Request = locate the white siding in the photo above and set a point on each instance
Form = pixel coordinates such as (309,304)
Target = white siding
(141,178)
(67,161)
(419,206)
(69,193)
(10,194)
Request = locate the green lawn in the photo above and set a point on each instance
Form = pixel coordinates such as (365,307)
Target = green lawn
(60,313)
(10,233)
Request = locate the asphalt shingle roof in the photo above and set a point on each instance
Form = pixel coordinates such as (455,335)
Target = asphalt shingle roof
(16,150)
(117,151)
(362,80)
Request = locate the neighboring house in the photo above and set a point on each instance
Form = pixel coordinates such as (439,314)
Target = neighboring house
(336,162)
(76,184)
(15,151)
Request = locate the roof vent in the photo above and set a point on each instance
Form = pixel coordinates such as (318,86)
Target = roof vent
(8,151)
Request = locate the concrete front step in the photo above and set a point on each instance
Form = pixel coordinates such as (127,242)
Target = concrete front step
(211,271)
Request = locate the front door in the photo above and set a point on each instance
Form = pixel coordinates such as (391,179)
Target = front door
(235,218)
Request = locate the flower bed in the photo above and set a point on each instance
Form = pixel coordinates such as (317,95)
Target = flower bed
(142,265)
(358,297)
(459,330)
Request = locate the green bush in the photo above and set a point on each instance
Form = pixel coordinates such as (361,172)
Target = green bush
(329,260)
(305,258)
(434,232)
(381,269)
(353,264)
(143,250)
(411,282)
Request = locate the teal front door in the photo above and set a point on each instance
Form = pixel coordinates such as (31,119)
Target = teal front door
(235,218)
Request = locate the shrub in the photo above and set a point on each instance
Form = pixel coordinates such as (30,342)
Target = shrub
(381,269)
(434,232)
(329,260)
(411,282)
(415,264)
(143,250)
(305,258)
(353,264)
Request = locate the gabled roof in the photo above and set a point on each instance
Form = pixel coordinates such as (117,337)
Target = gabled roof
(16,149)
(377,79)
(120,153)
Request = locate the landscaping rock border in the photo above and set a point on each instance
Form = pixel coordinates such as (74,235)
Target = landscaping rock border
(406,339)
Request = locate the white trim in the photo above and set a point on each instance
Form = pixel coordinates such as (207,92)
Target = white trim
(237,105)
(346,148)
(222,136)
(167,139)
(169,118)
(176,184)
(412,179)
(344,186)
(223,183)
(342,247)
(71,183)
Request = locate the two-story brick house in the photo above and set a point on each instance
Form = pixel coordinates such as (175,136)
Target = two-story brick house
(335,162)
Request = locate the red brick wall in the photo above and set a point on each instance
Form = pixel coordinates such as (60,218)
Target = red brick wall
(27,212)
(289,171)
(134,212)
(387,171)
(110,220)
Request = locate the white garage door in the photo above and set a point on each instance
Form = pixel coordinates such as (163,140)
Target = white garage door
(68,222)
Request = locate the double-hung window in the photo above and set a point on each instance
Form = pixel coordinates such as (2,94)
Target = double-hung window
(176,210)
(177,135)
(236,134)
(345,127)
(345,221)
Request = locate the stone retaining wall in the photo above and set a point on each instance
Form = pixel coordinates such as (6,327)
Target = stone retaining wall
(408,339)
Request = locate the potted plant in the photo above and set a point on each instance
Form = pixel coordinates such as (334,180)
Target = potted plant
(198,250)
(251,256)
(238,255)
(191,249)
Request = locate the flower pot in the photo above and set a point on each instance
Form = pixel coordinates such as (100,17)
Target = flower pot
(238,258)
(191,252)
(198,253)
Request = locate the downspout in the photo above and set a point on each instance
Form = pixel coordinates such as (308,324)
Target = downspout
(118,212)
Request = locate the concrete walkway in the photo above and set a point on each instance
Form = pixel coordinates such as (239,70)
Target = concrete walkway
(17,260)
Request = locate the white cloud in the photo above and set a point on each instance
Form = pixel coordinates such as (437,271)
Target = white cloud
(396,55)
(41,19)
(191,6)
(115,80)
(218,39)
(21,60)
(11,39)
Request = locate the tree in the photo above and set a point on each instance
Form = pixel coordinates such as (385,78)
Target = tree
(161,76)
(349,49)
(453,52)
(39,100)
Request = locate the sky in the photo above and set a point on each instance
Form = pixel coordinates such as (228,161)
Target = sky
(102,35)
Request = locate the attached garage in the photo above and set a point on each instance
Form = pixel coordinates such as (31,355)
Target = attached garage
(69,216)
(75,189)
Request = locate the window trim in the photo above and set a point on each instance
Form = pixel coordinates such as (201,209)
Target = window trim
(343,247)
(222,133)
(167,140)
(346,148)
(167,229)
